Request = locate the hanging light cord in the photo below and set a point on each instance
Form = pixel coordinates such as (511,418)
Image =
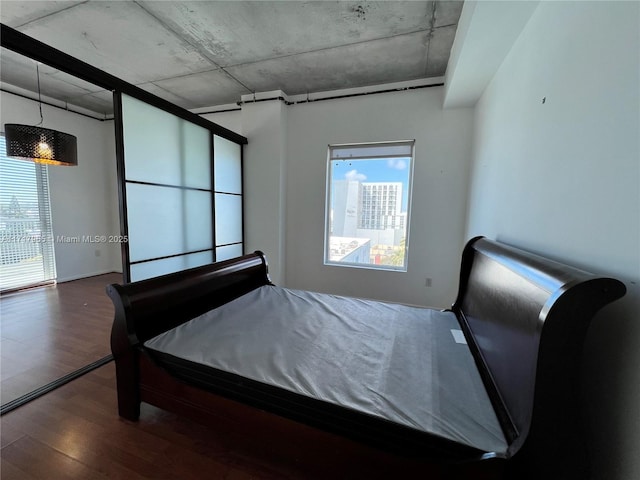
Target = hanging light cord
(39,96)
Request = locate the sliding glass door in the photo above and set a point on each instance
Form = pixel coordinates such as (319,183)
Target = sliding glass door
(26,236)
(181,193)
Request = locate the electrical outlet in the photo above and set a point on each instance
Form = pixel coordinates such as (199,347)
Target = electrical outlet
(428,282)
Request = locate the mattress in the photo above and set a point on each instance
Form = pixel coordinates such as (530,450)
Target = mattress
(406,365)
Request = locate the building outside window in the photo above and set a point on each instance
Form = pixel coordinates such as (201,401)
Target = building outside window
(368,203)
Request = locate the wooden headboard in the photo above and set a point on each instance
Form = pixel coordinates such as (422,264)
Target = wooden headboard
(525,318)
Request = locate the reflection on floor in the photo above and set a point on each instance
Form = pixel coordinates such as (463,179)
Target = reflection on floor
(48,332)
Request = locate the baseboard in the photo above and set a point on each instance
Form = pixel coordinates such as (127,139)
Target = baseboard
(85,275)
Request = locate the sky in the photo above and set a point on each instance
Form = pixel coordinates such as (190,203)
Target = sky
(379,170)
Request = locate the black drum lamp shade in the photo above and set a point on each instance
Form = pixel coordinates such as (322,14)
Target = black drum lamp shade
(40,145)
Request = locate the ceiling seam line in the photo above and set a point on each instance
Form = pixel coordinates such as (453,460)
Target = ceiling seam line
(327,48)
(188,42)
(445,26)
(54,76)
(431,29)
(176,34)
(181,76)
(167,91)
(51,14)
(250,90)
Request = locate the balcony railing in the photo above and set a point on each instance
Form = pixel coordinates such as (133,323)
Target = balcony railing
(23,249)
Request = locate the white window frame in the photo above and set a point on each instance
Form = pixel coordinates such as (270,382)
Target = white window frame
(332,156)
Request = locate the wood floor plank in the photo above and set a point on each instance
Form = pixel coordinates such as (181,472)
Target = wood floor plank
(10,472)
(89,444)
(103,435)
(9,434)
(48,332)
(41,461)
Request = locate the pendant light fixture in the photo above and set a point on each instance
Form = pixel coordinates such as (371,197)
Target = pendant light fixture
(39,144)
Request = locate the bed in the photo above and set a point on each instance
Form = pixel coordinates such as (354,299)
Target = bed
(493,379)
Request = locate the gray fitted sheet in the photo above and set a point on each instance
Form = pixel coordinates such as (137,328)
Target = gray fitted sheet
(392,361)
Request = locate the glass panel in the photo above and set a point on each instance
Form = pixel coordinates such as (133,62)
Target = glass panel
(228,219)
(227,165)
(142,271)
(228,251)
(165,221)
(196,158)
(151,143)
(198,233)
(162,148)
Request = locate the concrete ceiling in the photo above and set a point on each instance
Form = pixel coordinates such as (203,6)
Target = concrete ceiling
(199,54)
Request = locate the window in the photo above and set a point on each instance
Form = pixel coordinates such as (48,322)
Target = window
(368,204)
(26,238)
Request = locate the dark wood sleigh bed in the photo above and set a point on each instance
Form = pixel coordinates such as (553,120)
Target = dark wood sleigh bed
(492,380)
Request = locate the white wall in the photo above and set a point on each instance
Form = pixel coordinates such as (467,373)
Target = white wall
(485,33)
(285,178)
(561,176)
(83,198)
(264,168)
(443,150)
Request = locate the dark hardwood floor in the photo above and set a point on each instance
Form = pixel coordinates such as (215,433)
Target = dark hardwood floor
(48,332)
(74,432)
